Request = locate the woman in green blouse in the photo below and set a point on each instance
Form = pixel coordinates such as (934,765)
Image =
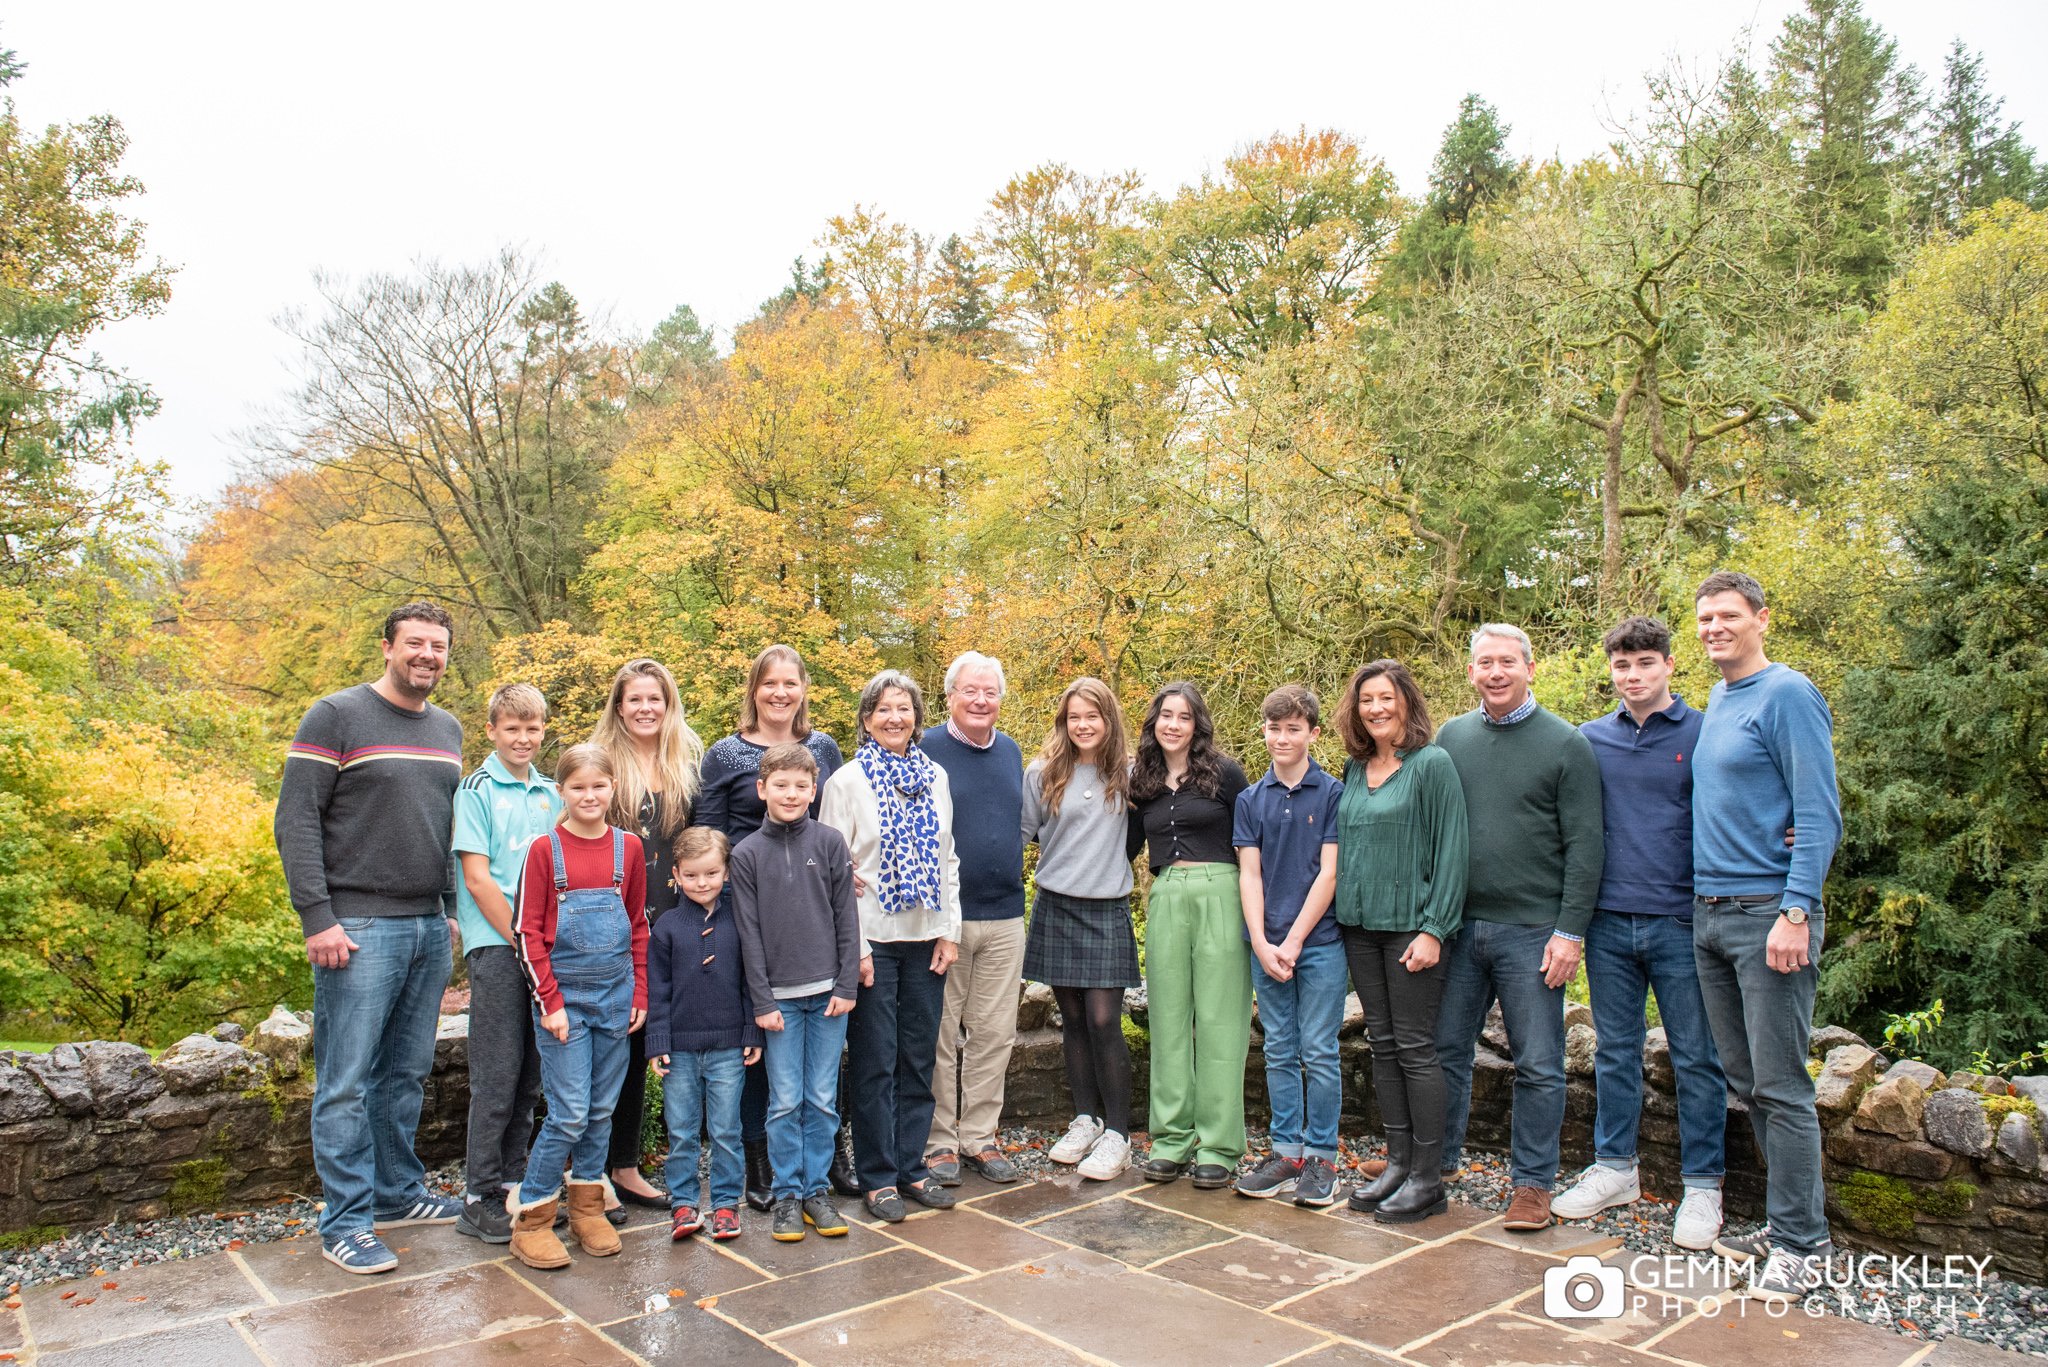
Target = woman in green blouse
(1402,847)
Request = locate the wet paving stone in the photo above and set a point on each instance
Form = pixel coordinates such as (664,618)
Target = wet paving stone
(1745,1332)
(94,1309)
(1412,1296)
(1061,1190)
(932,1328)
(1252,1271)
(830,1290)
(757,1249)
(210,1343)
(1133,1318)
(972,1239)
(649,1264)
(294,1270)
(381,1321)
(686,1334)
(1312,1231)
(1345,1355)
(1129,1232)
(549,1345)
(1505,1340)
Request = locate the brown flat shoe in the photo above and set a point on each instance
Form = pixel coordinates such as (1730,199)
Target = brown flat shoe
(1371,1168)
(1530,1209)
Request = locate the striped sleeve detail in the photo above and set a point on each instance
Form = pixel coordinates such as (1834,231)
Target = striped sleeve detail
(319,754)
(370,754)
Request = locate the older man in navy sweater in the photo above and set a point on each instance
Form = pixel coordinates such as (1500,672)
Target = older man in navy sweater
(979,1024)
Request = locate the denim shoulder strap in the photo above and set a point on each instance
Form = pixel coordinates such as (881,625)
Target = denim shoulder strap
(618,859)
(561,865)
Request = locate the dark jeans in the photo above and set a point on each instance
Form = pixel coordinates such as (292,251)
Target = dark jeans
(626,1115)
(1487,962)
(1761,1019)
(1627,957)
(504,1070)
(893,1042)
(1401,1011)
(754,1105)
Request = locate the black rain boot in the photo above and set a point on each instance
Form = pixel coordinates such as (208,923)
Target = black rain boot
(760,1175)
(841,1173)
(1400,1151)
(1422,1195)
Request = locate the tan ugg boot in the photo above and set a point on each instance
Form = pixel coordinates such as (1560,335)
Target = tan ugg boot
(533,1231)
(587,1225)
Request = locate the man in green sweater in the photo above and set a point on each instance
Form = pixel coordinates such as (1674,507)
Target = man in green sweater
(1532,795)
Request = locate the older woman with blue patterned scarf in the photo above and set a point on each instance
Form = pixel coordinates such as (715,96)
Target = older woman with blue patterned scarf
(893,805)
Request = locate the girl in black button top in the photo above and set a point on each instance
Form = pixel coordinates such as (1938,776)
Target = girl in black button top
(656,755)
(1198,974)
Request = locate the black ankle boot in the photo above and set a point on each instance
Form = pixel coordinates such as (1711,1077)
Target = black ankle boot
(841,1173)
(760,1175)
(1400,1151)
(1422,1195)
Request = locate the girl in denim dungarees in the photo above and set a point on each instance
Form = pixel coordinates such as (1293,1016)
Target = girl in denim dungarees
(582,937)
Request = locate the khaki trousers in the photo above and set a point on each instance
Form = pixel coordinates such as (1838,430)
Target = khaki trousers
(976,1034)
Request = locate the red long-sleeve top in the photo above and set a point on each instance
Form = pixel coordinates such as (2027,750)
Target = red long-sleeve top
(590,866)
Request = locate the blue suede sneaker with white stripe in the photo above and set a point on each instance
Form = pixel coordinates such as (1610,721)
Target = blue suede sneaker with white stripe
(428,1210)
(359,1251)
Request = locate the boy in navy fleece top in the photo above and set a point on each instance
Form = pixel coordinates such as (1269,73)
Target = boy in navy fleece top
(701,1034)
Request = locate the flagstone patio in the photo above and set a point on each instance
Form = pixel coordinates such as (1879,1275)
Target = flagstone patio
(1052,1272)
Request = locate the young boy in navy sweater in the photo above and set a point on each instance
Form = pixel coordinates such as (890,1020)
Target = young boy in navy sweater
(701,1034)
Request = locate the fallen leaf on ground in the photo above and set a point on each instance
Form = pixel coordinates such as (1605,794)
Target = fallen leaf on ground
(138,1298)
(110,1286)
(83,1300)
(1031,1271)
(67,1295)
(707,1303)
(234,1244)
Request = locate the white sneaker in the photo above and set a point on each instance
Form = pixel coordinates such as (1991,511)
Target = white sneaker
(1787,1277)
(1110,1156)
(1597,1189)
(1079,1139)
(1699,1218)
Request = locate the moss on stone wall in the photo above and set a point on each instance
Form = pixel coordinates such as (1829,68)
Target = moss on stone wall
(201,1184)
(1887,1205)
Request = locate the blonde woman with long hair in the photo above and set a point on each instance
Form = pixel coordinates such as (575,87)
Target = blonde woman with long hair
(656,757)
(1080,943)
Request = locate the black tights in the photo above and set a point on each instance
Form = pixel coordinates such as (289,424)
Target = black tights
(1098,1060)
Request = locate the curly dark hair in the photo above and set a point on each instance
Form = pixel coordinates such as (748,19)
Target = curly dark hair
(1205,761)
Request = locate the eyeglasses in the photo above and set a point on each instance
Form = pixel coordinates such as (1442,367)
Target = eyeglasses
(979,694)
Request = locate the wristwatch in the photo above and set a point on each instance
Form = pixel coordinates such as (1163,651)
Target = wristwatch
(1796,915)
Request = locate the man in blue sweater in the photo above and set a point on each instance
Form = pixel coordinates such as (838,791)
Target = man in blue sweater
(1765,761)
(979,1024)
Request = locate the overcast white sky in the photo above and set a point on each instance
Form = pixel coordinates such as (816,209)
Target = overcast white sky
(684,153)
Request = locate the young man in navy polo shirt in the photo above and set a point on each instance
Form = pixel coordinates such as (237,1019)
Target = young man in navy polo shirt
(1285,832)
(1640,940)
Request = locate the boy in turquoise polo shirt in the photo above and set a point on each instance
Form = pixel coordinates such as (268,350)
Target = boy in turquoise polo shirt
(499,810)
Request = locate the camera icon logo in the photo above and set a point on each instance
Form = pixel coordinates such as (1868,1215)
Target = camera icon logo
(1583,1289)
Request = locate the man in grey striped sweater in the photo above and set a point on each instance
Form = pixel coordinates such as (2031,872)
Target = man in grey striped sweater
(365,817)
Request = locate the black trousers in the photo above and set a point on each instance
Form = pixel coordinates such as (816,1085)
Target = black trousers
(1400,1023)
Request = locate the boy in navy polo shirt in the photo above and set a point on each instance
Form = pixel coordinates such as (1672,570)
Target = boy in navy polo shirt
(499,809)
(1286,837)
(1640,940)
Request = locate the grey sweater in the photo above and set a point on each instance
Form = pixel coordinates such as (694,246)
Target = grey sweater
(792,896)
(366,812)
(1081,849)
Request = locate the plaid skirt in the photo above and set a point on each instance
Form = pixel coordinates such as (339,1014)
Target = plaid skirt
(1081,942)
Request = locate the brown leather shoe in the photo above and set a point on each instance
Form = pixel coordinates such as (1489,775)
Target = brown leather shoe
(587,1225)
(1371,1168)
(1529,1210)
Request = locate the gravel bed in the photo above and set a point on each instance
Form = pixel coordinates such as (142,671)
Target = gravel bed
(115,1248)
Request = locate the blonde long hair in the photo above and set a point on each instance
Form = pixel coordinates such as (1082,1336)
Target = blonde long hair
(678,751)
(1058,756)
(577,758)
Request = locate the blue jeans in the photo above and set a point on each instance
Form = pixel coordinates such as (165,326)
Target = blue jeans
(893,1045)
(1627,957)
(372,1051)
(1761,1020)
(702,1092)
(1485,962)
(580,1077)
(803,1093)
(1304,1084)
